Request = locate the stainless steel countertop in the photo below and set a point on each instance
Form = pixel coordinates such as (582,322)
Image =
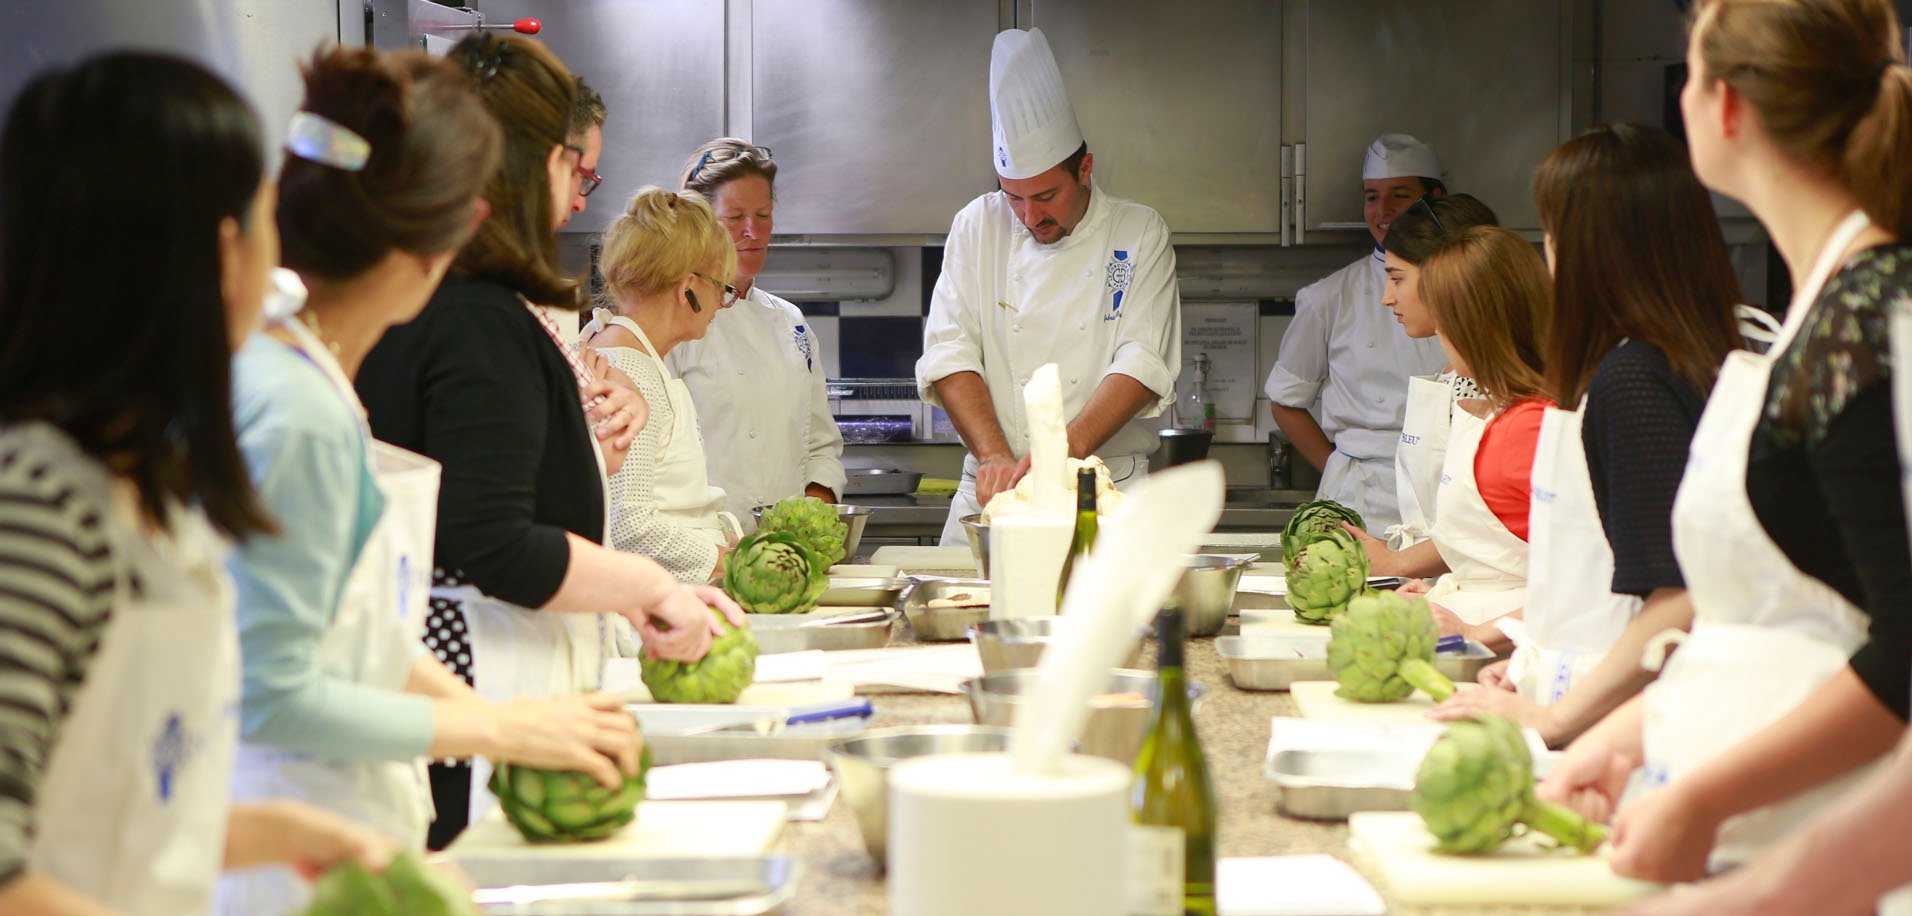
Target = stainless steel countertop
(1247,509)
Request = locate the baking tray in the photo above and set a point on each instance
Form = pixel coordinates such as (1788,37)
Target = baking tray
(1332,784)
(798,632)
(942,624)
(728,886)
(863,591)
(1275,661)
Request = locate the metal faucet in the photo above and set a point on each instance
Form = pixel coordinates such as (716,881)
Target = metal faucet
(1280,463)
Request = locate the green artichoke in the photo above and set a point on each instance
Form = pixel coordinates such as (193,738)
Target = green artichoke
(558,806)
(1312,521)
(1477,782)
(407,887)
(1325,575)
(775,574)
(719,677)
(1382,648)
(813,522)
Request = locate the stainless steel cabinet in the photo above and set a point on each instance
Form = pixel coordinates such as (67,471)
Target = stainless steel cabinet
(1180,102)
(659,65)
(877,111)
(1484,81)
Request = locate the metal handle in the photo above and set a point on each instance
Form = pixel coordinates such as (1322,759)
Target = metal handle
(1301,193)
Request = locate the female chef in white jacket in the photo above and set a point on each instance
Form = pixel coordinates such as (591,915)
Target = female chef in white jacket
(1789,526)
(757,374)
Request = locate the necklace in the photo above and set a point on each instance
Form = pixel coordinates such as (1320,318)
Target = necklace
(311,319)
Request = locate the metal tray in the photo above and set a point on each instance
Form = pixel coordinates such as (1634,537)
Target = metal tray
(942,624)
(794,742)
(797,632)
(546,886)
(1275,661)
(880,481)
(863,591)
(1332,784)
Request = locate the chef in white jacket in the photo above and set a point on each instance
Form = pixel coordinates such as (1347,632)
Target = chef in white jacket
(1340,382)
(757,375)
(1048,269)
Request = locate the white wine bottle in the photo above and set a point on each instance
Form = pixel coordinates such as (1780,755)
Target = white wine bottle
(1085,527)
(1172,805)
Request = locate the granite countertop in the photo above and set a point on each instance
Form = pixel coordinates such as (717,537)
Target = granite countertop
(839,879)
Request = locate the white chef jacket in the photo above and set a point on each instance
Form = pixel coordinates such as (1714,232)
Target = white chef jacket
(1347,359)
(757,380)
(1102,300)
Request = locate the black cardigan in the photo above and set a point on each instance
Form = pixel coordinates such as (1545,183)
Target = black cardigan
(476,384)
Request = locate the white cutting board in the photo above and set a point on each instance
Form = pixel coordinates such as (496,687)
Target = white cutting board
(1277,620)
(786,693)
(681,829)
(1399,850)
(1316,700)
(914,558)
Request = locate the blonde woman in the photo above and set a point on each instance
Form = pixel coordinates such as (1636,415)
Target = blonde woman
(667,267)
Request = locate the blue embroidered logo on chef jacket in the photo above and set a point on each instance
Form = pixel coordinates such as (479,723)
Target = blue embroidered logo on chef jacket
(1002,157)
(803,347)
(404,585)
(1446,479)
(1120,271)
(171,751)
(1545,496)
(1410,439)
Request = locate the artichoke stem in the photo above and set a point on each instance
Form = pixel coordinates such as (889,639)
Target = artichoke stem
(1563,824)
(1423,676)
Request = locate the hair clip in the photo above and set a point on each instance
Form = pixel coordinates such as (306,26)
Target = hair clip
(321,140)
(485,56)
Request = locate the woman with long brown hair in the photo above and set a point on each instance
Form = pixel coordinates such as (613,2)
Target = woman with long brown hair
(1644,312)
(1789,526)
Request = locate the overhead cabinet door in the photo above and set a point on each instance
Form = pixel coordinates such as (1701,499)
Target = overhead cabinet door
(877,111)
(1180,103)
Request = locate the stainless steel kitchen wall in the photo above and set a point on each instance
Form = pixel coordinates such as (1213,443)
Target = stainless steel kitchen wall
(254,43)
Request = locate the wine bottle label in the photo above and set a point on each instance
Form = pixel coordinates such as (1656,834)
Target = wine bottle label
(1157,859)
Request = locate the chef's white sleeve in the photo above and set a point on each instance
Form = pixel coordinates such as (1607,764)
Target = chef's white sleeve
(1149,341)
(1301,365)
(822,440)
(952,334)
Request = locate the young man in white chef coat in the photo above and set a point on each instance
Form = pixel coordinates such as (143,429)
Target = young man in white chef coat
(1339,385)
(1048,269)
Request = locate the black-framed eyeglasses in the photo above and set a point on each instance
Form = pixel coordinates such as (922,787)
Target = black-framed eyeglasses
(1428,209)
(588,180)
(727,154)
(731,295)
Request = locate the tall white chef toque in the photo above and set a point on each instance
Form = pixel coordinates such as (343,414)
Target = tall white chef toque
(1400,156)
(1032,125)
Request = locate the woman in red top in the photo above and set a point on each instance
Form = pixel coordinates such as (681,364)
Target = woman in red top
(1490,297)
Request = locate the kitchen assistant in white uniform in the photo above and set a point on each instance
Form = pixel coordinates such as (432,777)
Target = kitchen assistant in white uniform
(757,379)
(1345,358)
(1099,301)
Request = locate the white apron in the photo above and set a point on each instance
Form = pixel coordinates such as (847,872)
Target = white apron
(1765,635)
(524,652)
(373,640)
(681,487)
(1572,616)
(133,808)
(1360,474)
(1125,471)
(1487,564)
(1418,459)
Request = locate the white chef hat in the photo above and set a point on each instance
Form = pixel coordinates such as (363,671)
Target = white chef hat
(1400,156)
(1031,123)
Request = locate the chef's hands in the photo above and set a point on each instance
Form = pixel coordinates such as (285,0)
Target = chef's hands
(678,627)
(1449,623)
(613,407)
(306,839)
(1495,676)
(819,491)
(1380,558)
(1471,704)
(994,475)
(1665,835)
(586,732)
(1590,777)
(1413,587)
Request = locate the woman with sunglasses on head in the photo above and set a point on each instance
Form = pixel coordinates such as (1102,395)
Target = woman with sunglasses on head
(481,383)
(665,265)
(119,485)
(1644,314)
(1789,523)
(768,432)
(380,186)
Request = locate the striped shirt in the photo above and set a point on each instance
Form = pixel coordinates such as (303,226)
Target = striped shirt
(56,594)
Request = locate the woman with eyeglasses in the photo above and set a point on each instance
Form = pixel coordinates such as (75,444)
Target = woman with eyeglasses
(665,266)
(1644,315)
(768,431)
(483,383)
(1790,523)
